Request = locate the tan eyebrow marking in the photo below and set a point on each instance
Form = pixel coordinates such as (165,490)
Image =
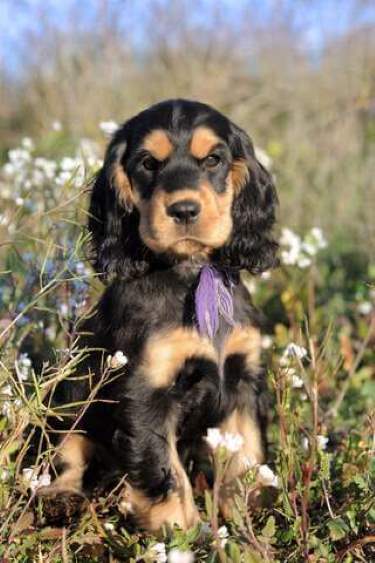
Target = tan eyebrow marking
(158,144)
(202,142)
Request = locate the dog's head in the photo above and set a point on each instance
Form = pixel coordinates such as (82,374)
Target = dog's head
(180,180)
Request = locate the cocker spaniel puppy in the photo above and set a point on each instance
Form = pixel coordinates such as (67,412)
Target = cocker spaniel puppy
(179,208)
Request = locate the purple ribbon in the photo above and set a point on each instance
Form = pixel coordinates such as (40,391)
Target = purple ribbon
(213,300)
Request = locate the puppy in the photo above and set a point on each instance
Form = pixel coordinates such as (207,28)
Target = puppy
(179,208)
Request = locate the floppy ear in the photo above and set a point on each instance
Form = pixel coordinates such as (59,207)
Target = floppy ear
(251,246)
(113,219)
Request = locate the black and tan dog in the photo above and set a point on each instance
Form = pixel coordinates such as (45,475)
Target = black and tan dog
(180,190)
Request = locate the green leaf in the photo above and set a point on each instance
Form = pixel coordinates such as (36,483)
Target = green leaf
(269,529)
(251,556)
(208,503)
(337,529)
(325,465)
(193,534)
(233,552)
(351,516)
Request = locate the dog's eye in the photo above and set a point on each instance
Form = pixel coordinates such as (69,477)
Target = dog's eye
(212,161)
(150,163)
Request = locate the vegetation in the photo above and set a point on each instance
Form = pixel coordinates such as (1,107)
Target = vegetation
(313,118)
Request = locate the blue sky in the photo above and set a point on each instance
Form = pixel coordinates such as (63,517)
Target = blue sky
(318,19)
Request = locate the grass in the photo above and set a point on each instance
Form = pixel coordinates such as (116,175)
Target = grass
(318,348)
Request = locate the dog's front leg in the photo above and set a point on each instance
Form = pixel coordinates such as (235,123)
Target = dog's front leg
(159,492)
(244,392)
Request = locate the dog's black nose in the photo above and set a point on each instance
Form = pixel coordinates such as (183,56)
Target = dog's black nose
(184,211)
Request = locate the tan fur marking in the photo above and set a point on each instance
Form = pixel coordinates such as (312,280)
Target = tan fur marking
(74,451)
(158,144)
(212,229)
(166,352)
(202,142)
(178,508)
(171,511)
(251,453)
(240,174)
(121,183)
(246,341)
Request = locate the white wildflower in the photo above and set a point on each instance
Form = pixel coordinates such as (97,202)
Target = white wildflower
(309,248)
(108,127)
(44,480)
(289,238)
(80,268)
(33,481)
(108,526)
(229,441)
(223,535)
(4,475)
(214,438)
(267,477)
(297,381)
(232,442)
(364,308)
(317,235)
(125,506)
(297,252)
(56,125)
(19,201)
(158,552)
(89,150)
(19,157)
(6,390)
(30,478)
(266,275)
(27,143)
(69,164)
(322,441)
(295,351)
(303,262)
(50,332)
(24,365)
(9,169)
(6,408)
(266,342)
(64,309)
(46,167)
(178,556)
(117,360)
(263,157)
(3,220)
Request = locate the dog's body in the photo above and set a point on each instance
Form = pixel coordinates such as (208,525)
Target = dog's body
(180,191)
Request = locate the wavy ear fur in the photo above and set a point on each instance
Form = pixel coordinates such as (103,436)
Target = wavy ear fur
(251,246)
(113,220)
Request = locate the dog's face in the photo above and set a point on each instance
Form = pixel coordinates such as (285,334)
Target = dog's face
(173,177)
(181,183)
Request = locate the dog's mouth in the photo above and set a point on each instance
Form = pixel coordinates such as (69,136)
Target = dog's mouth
(189,245)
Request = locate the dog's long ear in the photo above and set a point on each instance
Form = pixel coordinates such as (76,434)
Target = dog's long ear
(251,246)
(113,219)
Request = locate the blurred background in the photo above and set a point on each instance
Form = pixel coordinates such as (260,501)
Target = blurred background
(297,75)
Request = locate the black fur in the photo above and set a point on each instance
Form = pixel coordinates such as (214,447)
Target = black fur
(150,292)
(117,247)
